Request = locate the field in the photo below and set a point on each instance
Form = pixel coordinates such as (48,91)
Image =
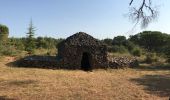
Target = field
(116,84)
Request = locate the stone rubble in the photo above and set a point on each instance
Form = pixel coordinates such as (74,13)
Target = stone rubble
(123,62)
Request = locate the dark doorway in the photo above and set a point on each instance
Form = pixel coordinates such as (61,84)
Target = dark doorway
(85,62)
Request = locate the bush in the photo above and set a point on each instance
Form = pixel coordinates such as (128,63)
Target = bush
(8,50)
(137,52)
(4,32)
(120,49)
(167,52)
(150,58)
(130,45)
(119,40)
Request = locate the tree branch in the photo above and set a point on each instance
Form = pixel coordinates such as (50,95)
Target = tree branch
(144,13)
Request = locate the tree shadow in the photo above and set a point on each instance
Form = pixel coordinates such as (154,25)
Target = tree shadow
(5,98)
(155,84)
(153,67)
(21,82)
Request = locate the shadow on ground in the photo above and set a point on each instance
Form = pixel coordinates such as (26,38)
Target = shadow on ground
(153,67)
(155,84)
(44,62)
(21,82)
(5,98)
(53,62)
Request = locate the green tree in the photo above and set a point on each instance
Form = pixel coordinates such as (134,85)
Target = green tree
(168,53)
(150,40)
(108,41)
(167,50)
(4,32)
(41,43)
(119,40)
(136,51)
(30,42)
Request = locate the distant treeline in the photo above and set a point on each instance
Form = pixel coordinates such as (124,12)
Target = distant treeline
(147,42)
(151,41)
(15,45)
(143,43)
(40,42)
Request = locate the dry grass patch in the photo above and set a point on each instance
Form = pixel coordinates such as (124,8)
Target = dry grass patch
(47,84)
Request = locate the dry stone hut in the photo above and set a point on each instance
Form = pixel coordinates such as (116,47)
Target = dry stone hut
(82,51)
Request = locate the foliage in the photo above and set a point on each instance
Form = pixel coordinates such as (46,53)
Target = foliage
(167,52)
(130,45)
(119,40)
(8,50)
(120,49)
(47,42)
(4,32)
(17,43)
(151,57)
(142,44)
(30,44)
(137,52)
(108,41)
(151,41)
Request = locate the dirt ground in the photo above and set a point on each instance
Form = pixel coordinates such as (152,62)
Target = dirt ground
(114,84)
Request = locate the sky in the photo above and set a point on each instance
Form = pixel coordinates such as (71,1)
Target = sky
(62,18)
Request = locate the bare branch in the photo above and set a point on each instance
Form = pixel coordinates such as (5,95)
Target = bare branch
(144,14)
(131,2)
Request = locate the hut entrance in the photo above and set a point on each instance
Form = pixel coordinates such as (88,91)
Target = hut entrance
(85,62)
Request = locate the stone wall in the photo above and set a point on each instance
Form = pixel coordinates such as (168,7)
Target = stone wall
(72,56)
(40,62)
(123,62)
(56,63)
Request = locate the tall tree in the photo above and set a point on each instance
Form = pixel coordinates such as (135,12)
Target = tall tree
(119,40)
(30,42)
(4,32)
(151,40)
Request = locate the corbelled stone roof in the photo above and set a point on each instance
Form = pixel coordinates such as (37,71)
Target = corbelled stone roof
(82,38)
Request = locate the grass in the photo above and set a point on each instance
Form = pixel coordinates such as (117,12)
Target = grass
(47,84)
(120,54)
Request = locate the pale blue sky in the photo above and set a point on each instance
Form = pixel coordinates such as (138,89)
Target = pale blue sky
(62,18)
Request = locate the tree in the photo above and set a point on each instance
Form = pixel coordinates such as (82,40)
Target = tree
(167,52)
(41,43)
(144,13)
(151,40)
(108,41)
(30,42)
(4,32)
(119,40)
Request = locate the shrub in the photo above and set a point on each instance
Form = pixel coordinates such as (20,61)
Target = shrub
(4,32)
(167,53)
(120,49)
(119,40)
(8,50)
(150,58)
(137,52)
